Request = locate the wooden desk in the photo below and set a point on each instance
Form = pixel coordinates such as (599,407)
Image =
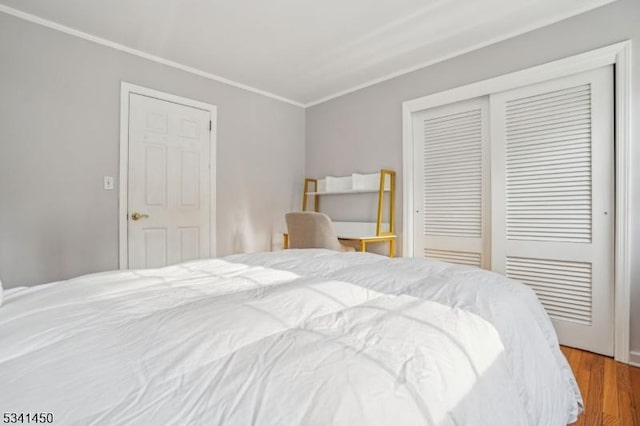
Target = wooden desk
(361,241)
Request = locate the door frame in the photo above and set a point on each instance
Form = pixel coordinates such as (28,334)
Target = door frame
(126,89)
(619,55)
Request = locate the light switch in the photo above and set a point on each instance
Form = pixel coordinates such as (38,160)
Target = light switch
(108,183)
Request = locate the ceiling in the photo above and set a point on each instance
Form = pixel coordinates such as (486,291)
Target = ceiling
(302,50)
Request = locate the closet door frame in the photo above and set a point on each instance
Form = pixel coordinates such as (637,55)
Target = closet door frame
(618,54)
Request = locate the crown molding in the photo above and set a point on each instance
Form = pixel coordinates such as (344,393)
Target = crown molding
(148,56)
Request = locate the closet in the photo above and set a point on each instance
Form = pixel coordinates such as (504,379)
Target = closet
(522,182)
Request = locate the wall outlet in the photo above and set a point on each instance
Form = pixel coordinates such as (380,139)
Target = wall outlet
(108,183)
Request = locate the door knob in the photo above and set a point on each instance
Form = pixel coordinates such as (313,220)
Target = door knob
(138,216)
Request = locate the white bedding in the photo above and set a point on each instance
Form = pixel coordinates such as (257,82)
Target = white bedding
(298,337)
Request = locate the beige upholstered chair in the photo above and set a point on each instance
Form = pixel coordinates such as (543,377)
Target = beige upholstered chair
(312,230)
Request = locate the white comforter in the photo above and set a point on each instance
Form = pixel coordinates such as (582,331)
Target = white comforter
(299,337)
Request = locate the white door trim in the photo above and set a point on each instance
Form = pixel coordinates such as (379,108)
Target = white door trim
(125,90)
(618,54)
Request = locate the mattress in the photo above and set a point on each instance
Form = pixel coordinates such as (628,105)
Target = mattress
(296,337)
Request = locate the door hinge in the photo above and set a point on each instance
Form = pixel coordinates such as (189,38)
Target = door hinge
(210,125)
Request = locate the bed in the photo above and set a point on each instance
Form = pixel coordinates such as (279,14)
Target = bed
(295,337)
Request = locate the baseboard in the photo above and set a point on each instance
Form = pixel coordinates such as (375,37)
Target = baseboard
(634,358)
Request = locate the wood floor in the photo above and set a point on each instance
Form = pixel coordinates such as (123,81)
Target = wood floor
(610,390)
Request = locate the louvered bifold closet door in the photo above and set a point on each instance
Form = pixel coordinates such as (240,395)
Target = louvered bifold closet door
(552,208)
(450,185)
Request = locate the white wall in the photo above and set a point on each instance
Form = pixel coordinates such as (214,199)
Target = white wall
(363,130)
(59,135)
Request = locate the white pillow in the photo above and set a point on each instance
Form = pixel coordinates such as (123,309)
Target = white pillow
(0,292)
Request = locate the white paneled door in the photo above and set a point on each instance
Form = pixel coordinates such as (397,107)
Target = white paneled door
(553,197)
(168,179)
(451,183)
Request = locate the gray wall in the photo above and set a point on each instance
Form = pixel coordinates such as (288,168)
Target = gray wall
(59,135)
(362,131)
